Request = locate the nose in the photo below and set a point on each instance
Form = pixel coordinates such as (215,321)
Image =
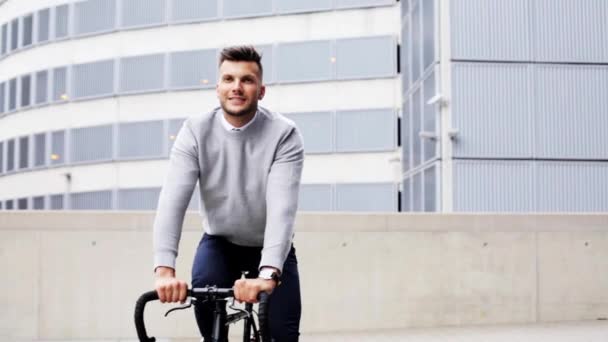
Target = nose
(237,86)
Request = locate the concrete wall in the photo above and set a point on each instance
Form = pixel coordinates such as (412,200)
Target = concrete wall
(77,275)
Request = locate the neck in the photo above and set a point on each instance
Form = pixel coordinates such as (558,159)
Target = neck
(240,120)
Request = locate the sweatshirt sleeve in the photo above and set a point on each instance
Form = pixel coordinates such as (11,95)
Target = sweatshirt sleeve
(282,199)
(175,196)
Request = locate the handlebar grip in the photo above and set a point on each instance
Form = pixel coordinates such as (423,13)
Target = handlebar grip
(139,315)
(263,316)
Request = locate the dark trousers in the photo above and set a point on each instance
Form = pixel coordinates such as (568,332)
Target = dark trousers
(219,262)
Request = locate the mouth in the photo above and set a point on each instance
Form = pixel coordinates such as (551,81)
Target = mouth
(236,99)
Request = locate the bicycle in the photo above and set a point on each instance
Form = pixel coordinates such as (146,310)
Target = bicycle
(218,296)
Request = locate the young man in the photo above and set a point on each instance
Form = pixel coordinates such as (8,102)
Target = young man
(248,162)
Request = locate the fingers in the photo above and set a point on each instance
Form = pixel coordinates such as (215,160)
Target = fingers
(246,290)
(171,290)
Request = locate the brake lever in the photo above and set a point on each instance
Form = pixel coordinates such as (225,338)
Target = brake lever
(183,307)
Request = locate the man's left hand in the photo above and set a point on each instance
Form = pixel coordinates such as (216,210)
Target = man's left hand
(247,290)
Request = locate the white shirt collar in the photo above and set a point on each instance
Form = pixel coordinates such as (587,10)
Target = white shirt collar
(231,128)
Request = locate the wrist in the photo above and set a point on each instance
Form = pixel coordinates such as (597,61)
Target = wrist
(164,272)
(271,274)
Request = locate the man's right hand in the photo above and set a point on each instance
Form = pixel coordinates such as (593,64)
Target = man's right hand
(168,288)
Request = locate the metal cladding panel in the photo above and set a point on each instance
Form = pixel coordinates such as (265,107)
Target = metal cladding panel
(142,12)
(429,118)
(27,33)
(10,155)
(22,204)
(4,40)
(317,130)
(61,21)
(93,79)
(571,111)
(406,135)
(572,186)
(94,16)
(24,152)
(94,200)
(14,34)
(56,202)
(91,143)
(266,51)
(570,31)
(191,10)
(366,130)
(247,8)
(2,97)
(138,199)
(142,73)
(38,203)
(371,57)
(491,29)
(12,94)
(366,197)
(60,84)
(405,55)
(491,110)
(193,69)
(26,91)
(140,139)
(44,21)
(430,188)
(315,197)
(417,191)
(489,185)
(39,149)
(58,153)
(304,61)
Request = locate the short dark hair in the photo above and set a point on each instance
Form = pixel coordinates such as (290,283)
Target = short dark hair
(242,53)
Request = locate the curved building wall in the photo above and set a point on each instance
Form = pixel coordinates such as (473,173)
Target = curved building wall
(90,103)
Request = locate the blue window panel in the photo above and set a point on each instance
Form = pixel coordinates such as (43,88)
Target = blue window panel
(94,200)
(571,111)
(247,8)
(417,113)
(2,97)
(316,129)
(406,195)
(572,186)
(56,202)
(61,21)
(500,186)
(60,84)
(363,3)
(26,90)
(193,10)
(493,111)
(295,6)
(569,31)
(93,79)
(14,34)
(417,45)
(137,13)
(366,197)
(366,58)
(304,61)
(4,40)
(39,149)
(1,157)
(42,87)
(138,199)
(193,69)
(93,16)
(430,119)
(493,30)
(366,130)
(28,31)
(417,192)
(24,153)
(315,197)
(38,203)
(142,73)
(44,25)
(406,55)
(10,155)
(22,204)
(58,153)
(428,33)
(430,189)
(266,51)
(406,135)
(8,205)
(174,126)
(12,94)
(140,139)
(91,144)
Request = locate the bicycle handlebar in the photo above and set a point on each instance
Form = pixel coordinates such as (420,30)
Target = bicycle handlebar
(202,293)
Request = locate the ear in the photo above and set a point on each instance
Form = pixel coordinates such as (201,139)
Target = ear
(262,92)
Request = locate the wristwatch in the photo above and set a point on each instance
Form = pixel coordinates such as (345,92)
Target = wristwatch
(270,274)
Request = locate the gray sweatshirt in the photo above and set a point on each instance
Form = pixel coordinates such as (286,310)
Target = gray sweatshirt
(248,180)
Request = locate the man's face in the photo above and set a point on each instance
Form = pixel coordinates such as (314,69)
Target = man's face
(239,87)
